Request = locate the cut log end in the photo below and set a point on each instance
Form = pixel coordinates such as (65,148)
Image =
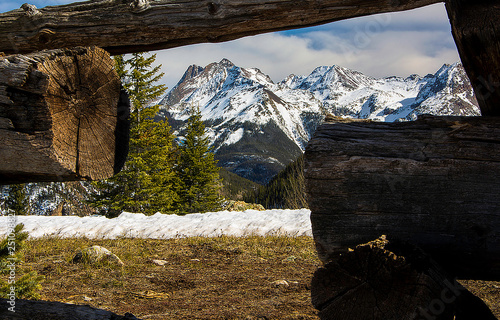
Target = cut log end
(82,132)
(390,280)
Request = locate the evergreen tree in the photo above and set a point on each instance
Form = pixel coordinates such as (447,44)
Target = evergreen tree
(145,184)
(199,182)
(287,190)
(17,200)
(27,283)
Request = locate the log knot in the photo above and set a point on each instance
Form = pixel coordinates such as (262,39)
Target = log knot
(213,8)
(45,36)
(30,10)
(139,5)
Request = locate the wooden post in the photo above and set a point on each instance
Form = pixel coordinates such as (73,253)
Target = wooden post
(433,182)
(62,116)
(476,31)
(126,26)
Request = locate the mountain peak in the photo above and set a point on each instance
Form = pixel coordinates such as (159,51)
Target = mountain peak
(226,63)
(257,126)
(191,72)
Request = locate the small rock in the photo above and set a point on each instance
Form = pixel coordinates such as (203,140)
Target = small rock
(159,262)
(97,254)
(280,283)
(195,260)
(290,259)
(85,298)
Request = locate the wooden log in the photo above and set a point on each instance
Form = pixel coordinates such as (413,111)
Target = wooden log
(63,116)
(476,31)
(386,280)
(433,182)
(48,310)
(126,26)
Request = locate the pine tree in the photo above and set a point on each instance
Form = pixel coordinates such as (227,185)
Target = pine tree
(26,283)
(145,184)
(286,190)
(199,182)
(17,200)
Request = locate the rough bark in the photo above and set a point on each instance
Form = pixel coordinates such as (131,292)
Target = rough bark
(47,310)
(62,116)
(477,35)
(391,281)
(434,182)
(126,26)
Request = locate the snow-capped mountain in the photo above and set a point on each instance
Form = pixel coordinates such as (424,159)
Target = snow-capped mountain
(258,126)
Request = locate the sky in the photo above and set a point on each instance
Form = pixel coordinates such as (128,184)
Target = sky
(418,41)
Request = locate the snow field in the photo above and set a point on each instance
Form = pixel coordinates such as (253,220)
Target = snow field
(162,226)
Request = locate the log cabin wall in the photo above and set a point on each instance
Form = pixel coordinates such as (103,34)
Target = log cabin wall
(433,182)
(132,26)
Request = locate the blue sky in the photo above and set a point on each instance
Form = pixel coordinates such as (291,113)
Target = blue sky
(411,42)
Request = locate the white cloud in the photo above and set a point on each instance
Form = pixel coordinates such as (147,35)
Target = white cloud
(417,41)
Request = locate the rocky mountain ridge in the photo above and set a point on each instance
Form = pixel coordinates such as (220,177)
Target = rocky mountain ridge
(258,126)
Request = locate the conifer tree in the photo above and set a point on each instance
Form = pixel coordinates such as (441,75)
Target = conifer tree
(26,282)
(17,200)
(199,182)
(145,184)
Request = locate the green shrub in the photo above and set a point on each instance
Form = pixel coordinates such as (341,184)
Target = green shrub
(15,280)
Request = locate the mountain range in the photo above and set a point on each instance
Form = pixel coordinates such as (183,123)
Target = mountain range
(258,126)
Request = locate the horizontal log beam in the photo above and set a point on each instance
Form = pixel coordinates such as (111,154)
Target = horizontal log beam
(126,26)
(20,309)
(433,182)
(62,116)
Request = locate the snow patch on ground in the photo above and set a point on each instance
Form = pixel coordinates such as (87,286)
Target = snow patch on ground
(162,226)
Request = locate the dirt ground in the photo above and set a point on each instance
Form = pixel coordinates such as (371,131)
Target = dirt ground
(218,278)
(203,278)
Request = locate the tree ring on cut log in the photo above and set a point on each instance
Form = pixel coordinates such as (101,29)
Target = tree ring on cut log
(81,89)
(63,116)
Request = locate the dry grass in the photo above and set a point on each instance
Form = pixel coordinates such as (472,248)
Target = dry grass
(204,278)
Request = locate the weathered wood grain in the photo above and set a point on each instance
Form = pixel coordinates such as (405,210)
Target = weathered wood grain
(434,182)
(126,26)
(476,31)
(386,280)
(62,116)
(48,310)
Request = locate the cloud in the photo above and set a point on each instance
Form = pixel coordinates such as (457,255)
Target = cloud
(416,41)
(383,45)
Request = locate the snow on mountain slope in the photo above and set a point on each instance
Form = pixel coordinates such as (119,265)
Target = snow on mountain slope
(258,126)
